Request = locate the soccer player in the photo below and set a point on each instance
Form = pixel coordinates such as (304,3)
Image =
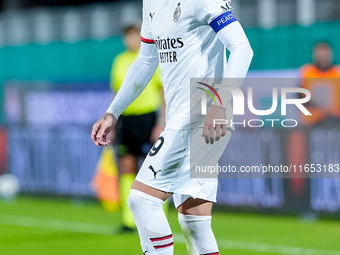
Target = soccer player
(139,125)
(188,39)
(322,79)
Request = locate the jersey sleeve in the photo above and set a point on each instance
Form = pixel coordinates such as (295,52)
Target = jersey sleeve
(136,79)
(217,13)
(146,35)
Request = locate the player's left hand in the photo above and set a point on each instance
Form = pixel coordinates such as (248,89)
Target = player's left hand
(213,133)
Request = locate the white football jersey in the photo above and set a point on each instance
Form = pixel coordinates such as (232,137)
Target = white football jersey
(184,32)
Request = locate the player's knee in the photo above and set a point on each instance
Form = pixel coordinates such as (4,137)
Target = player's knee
(138,200)
(195,225)
(198,233)
(190,221)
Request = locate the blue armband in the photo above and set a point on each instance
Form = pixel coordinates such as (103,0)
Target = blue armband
(222,21)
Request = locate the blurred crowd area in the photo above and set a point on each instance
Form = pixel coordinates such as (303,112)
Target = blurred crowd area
(43,21)
(56,57)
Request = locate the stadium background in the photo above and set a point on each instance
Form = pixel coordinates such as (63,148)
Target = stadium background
(55,63)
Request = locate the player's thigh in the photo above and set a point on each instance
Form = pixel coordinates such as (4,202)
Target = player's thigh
(150,191)
(195,207)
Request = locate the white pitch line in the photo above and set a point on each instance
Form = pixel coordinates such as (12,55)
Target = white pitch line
(89,228)
(56,225)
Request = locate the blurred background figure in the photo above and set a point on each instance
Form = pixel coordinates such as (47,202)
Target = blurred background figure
(139,125)
(321,78)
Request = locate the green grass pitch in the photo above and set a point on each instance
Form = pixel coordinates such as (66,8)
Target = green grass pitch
(49,226)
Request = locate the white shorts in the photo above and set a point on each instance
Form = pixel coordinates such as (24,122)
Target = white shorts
(167,166)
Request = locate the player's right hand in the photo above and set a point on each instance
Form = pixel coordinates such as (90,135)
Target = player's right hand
(102,128)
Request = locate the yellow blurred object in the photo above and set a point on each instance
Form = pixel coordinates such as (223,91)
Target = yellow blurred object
(150,99)
(106,179)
